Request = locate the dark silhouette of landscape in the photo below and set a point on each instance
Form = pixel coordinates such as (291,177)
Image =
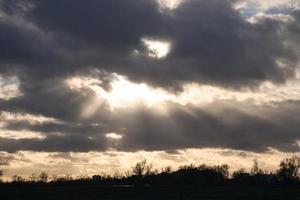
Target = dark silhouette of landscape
(144,182)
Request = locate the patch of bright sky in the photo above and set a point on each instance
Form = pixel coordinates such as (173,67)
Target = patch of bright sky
(113,136)
(157,49)
(111,162)
(278,17)
(127,94)
(169,4)
(266,94)
(5,117)
(9,87)
(32,119)
(23,134)
(123,93)
(249,8)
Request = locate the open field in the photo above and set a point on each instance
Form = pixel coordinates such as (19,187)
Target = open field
(146,192)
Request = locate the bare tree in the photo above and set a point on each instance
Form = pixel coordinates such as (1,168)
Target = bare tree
(255,169)
(69,177)
(142,169)
(54,177)
(128,173)
(289,168)
(167,170)
(33,177)
(222,169)
(1,175)
(43,177)
(17,179)
(237,173)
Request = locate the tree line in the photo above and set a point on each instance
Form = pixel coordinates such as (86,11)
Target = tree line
(288,174)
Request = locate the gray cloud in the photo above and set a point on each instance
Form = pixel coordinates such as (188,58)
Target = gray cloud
(53,143)
(229,124)
(47,98)
(106,24)
(52,98)
(5,159)
(67,156)
(45,42)
(212,42)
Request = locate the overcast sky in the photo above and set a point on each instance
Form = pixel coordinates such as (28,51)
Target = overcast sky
(99,85)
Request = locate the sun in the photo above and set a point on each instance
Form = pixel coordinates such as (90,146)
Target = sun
(126,93)
(123,94)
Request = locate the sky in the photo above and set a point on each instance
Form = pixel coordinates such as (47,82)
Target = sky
(100,85)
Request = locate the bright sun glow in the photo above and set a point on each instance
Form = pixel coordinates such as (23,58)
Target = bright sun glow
(157,49)
(123,93)
(169,4)
(126,94)
(113,136)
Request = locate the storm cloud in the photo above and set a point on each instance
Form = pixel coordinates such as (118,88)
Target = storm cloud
(212,42)
(227,124)
(43,43)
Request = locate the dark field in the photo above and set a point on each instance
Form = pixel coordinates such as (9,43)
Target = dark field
(144,192)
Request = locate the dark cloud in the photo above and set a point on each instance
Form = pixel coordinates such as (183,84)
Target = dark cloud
(229,124)
(86,129)
(53,143)
(294,29)
(52,98)
(220,47)
(212,42)
(45,42)
(225,125)
(48,98)
(106,24)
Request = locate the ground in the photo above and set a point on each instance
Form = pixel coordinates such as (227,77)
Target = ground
(146,192)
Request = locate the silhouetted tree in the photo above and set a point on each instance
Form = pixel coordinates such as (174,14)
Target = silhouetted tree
(117,175)
(143,174)
(222,169)
(54,177)
(289,169)
(33,178)
(17,179)
(201,167)
(69,177)
(97,178)
(1,174)
(189,167)
(167,170)
(142,169)
(83,178)
(128,173)
(255,169)
(237,173)
(43,177)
